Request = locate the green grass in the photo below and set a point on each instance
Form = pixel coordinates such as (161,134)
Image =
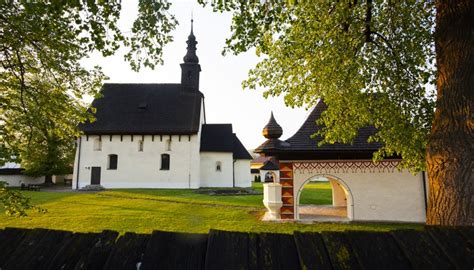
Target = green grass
(316,193)
(145,210)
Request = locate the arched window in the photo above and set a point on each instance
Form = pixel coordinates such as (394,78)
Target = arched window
(112,162)
(97,144)
(218,166)
(269,177)
(165,162)
(140,145)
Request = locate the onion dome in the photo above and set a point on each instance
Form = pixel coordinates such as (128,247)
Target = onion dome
(272,130)
(191,56)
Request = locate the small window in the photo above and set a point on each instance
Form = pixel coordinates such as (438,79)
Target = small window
(97,144)
(269,177)
(165,162)
(140,146)
(113,161)
(168,145)
(218,166)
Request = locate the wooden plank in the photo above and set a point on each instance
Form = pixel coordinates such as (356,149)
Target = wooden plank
(277,251)
(467,232)
(286,209)
(127,252)
(99,253)
(287,191)
(45,250)
(231,250)
(287,201)
(286,167)
(421,250)
(169,250)
(287,216)
(459,250)
(10,239)
(286,174)
(377,250)
(340,251)
(70,251)
(311,250)
(25,249)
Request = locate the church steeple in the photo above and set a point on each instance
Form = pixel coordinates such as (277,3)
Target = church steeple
(190,68)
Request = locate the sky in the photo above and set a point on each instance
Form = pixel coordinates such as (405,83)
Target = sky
(221,76)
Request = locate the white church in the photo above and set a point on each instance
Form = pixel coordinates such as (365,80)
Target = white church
(156,136)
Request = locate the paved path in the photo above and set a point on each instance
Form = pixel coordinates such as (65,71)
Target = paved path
(323,213)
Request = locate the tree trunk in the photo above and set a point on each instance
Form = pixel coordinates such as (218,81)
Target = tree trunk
(48,179)
(450,148)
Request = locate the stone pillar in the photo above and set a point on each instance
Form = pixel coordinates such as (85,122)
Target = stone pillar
(272,200)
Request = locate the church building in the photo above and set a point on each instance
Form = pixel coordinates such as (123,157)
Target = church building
(156,136)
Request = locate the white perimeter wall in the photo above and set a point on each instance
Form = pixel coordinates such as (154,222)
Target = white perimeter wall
(140,169)
(18,179)
(378,196)
(243,178)
(210,177)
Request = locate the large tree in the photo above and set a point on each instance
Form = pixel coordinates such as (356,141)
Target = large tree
(376,63)
(42,83)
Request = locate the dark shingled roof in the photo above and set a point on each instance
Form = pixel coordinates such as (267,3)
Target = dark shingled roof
(219,138)
(239,151)
(146,109)
(270,166)
(301,141)
(11,171)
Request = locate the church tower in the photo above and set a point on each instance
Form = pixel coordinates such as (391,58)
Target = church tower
(190,68)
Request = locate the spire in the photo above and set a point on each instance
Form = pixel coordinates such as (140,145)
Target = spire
(272,130)
(190,69)
(191,56)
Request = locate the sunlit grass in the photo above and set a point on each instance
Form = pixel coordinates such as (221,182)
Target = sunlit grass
(316,193)
(145,210)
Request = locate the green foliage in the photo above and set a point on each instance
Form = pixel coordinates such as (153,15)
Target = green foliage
(372,62)
(42,83)
(15,203)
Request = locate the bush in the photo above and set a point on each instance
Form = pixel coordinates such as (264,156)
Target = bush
(257,179)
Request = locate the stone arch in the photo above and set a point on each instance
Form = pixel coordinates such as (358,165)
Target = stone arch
(342,183)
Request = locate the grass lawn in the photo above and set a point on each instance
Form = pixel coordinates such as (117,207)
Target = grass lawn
(316,193)
(145,210)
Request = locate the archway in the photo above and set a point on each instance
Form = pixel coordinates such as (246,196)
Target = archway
(269,176)
(342,201)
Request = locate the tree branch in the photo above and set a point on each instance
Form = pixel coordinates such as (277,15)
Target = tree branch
(368,19)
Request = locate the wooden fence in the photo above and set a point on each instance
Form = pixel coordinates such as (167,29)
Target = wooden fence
(434,248)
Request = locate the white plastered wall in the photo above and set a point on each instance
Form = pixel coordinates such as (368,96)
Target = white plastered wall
(339,197)
(141,169)
(376,196)
(243,178)
(210,177)
(17,179)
